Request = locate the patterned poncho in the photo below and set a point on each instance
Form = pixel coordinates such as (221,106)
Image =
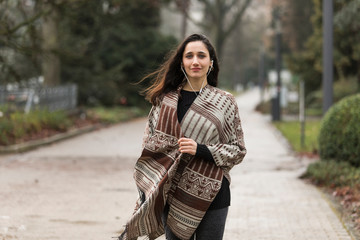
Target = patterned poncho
(187,183)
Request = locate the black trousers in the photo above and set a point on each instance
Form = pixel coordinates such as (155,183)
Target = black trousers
(212,225)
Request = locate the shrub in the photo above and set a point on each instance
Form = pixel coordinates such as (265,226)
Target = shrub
(15,126)
(56,120)
(342,89)
(5,127)
(333,174)
(339,136)
(19,124)
(264,107)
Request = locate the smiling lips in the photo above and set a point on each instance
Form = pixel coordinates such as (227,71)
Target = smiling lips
(196,69)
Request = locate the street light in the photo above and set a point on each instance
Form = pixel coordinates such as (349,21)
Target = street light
(276,108)
(262,73)
(328,75)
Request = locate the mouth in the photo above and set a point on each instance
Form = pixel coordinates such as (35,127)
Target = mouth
(196,69)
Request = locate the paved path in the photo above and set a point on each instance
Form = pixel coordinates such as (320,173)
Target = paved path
(269,202)
(82,188)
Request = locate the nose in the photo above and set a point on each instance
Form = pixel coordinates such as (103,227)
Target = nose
(195,61)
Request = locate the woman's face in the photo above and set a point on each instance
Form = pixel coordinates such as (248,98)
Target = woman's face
(196,60)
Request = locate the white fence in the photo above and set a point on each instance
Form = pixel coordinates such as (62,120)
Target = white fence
(51,98)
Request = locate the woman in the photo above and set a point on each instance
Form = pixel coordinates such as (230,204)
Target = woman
(193,138)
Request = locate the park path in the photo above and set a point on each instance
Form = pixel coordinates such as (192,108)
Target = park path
(269,201)
(82,188)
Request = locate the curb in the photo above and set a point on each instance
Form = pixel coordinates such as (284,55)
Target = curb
(22,147)
(338,210)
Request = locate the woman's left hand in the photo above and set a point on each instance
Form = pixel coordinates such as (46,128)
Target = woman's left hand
(187,145)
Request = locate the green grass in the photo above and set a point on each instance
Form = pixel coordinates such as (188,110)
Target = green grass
(314,112)
(14,126)
(115,114)
(292,132)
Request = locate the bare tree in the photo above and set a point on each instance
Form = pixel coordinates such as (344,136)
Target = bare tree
(221,19)
(183,6)
(29,40)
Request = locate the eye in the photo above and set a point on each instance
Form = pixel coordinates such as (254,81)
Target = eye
(188,56)
(202,56)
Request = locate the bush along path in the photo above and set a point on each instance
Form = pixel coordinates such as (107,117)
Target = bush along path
(20,132)
(338,171)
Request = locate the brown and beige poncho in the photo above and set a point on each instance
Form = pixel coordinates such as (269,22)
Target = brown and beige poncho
(188,184)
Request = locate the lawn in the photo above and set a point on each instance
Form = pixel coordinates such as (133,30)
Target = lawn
(115,114)
(292,132)
(18,127)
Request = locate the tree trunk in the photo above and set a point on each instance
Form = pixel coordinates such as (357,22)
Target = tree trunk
(183,6)
(218,26)
(219,30)
(50,58)
(237,58)
(358,78)
(184,25)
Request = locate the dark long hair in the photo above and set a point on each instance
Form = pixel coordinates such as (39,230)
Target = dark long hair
(169,75)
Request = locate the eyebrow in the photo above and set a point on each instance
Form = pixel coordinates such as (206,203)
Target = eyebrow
(197,52)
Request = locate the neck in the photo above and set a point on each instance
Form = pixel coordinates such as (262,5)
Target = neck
(195,84)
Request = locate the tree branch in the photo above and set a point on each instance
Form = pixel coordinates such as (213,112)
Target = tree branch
(209,7)
(191,19)
(238,17)
(11,71)
(228,7)
(200,24)
(27,22)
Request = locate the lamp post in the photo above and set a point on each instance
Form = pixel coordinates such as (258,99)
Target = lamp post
(276,116)
(261,73)
(327,80)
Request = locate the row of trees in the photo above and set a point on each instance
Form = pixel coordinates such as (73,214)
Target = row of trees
(106,45)
(305,59)
(103,46)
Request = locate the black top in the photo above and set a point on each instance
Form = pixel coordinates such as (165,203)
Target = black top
(222,199)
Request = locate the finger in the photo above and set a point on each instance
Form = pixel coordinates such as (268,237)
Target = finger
(186,143)
(188,150)
(181,139)
(185,140)
(187,147)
